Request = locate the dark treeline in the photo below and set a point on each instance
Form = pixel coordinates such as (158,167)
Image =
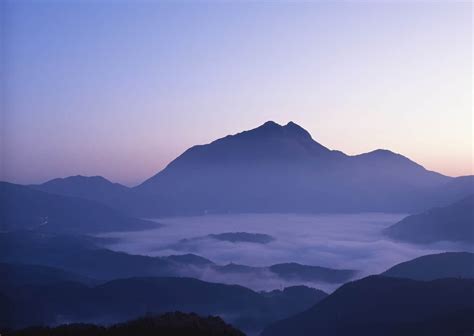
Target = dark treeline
(169,324)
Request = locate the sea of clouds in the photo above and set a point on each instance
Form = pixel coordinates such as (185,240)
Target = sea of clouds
(343,241)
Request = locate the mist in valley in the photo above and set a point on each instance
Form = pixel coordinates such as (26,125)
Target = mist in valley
(339,241)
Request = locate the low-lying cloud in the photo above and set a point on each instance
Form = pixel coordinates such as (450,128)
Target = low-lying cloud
(349,241)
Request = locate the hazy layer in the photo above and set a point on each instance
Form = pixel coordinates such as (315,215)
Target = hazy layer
(337,241)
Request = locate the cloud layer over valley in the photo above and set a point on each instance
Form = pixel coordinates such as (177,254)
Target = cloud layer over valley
(346,241)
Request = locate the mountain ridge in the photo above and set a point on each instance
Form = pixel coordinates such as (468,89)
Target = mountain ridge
(282,168)
(277,168)
(124,299)
(435,266)
(24,208)
(378,305)
(454,222)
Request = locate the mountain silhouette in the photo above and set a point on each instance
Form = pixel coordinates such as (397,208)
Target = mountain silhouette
(454,190)
(83,256)
(274,168)
(95,188)
(25,208)
(124,299)
(451,223)
(435,266)
(386,306)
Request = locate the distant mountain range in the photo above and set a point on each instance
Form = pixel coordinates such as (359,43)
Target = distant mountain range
(454,222)
(95,188)
(378,305)
(23,208)
(274,168)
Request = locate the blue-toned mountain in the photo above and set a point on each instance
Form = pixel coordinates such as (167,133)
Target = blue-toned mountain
(275,168)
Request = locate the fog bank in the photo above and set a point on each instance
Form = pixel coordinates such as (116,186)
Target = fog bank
(348,241)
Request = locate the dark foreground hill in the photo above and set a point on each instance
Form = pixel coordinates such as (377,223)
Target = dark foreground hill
(435,266)
(124,299)
(23,208)
(378,305)
(169,324)
(451,223)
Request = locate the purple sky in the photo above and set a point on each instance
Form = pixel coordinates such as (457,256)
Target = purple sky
(121,88)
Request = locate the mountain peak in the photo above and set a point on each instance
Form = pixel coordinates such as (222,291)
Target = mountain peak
(79,179)
(271,123)
(382,152)
(385,154)
(297,130)
(96,188)
(269,127)
(272,128)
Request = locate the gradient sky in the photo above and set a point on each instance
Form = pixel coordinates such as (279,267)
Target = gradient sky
(120,88)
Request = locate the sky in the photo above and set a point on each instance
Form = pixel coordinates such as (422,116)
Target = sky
(121,88)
